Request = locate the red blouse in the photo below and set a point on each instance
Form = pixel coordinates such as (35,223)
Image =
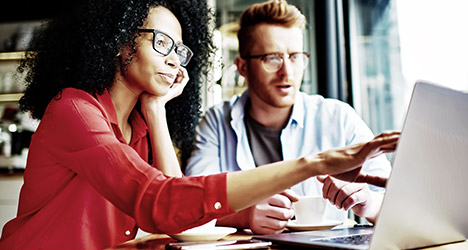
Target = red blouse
(84,187)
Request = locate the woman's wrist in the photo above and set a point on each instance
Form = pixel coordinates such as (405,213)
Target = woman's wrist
(313,164)
(154,110)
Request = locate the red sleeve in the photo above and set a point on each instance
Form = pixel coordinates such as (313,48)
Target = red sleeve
(83,141)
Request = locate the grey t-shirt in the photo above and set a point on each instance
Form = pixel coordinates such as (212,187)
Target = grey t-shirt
(265,143)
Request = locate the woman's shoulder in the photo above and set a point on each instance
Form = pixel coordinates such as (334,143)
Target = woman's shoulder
(74,94)
(72,99)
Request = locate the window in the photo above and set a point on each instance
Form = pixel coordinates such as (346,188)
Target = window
(393,43)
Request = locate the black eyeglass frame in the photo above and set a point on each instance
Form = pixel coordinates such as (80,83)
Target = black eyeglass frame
(174,44)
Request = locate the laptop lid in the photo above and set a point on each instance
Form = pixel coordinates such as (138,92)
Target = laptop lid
(425,200)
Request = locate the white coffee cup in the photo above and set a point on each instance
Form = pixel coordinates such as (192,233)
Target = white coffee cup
(310,210)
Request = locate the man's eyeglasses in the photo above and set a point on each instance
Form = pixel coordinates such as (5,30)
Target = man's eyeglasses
(272,62)
(164,44)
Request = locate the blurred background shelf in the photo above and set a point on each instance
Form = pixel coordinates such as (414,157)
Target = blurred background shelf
(11,97)
(10,81)
(17,55)
(13,162)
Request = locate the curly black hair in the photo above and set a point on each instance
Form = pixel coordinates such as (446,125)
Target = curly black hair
(79,49)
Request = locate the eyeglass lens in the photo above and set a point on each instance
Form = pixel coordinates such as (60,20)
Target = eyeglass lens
(273,63)
(164,44)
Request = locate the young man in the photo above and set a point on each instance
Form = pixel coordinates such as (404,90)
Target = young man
(274,121)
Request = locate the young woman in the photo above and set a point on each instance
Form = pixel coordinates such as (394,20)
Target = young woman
(103,80)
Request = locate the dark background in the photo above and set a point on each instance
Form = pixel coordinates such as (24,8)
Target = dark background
(27,10)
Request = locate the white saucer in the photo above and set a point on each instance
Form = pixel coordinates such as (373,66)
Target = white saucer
(328,224)
(202,235)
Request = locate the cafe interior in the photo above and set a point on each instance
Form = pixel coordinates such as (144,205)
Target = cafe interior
(367,53)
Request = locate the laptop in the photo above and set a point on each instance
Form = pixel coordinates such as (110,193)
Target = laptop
(426,200)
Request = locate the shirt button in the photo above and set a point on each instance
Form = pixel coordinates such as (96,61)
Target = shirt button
(127,232)
(217,205)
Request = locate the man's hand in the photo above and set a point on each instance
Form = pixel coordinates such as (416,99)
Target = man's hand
(355,196)
(271,215)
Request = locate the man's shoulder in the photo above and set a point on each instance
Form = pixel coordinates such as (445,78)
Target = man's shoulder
(219,109)
(225,107)
(318,101)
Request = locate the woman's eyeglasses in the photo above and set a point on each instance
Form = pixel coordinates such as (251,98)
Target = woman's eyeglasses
(164,44)
(274,61)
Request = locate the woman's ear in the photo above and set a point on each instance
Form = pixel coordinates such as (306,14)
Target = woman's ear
(241,66)
(124,50)
(120,61)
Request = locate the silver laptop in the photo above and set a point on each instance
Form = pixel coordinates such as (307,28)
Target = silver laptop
(426,200)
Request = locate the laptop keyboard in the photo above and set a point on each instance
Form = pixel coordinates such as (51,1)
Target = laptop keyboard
(362,239)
